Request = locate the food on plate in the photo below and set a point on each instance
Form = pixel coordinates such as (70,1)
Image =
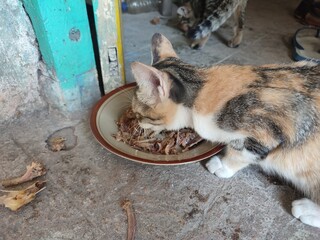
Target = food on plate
(165,142)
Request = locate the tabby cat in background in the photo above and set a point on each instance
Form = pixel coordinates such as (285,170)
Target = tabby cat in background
(266,115)
(198,18)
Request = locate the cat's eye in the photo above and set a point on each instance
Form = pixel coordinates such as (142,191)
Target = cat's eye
(150,118)
(151,121)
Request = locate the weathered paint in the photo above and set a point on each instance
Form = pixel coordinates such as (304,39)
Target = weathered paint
(108,24)
(63,33)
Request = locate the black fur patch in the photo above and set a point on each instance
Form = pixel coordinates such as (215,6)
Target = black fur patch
(263,79)
(177,91)
(186,81)
(198,8)
(312,82)
(231,116)
(294,69)
(256,148)
(215,15)
(217,5)
(299,104)
(238,114)
(192,32)
(267,123)
(207,23)
(196,46)
(306,120)
(309,74)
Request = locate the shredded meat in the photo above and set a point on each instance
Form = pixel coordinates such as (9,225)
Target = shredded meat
(165,142)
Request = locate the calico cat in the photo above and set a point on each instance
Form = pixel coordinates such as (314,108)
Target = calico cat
(266,115)
(198,18)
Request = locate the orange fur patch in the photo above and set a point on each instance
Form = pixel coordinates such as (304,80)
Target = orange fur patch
(221,84)
(301,165)
(167,109)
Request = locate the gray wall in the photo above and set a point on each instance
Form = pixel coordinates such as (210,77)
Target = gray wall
(19,63)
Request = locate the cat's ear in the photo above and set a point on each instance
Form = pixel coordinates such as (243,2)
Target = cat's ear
(161,48)
(153,85)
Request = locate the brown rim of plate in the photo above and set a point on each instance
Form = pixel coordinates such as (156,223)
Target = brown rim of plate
(104,143)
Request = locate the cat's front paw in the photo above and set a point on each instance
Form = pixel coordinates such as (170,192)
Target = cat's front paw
(216,166)
(235,41)
(233,44)
(307,211)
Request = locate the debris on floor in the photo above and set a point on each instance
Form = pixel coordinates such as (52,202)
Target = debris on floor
(56,144)
(15,199)
(127,206)
(155,20)
(34,170)
(62,139)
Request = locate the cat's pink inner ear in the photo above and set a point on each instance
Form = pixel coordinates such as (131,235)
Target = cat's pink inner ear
(161,91)
(149,81)
(145,75)
(161,48)
(164,87)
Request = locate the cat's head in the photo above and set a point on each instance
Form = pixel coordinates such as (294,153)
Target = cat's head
(186,18)
(155,99)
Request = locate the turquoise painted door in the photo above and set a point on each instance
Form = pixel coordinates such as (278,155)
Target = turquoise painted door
(65,41)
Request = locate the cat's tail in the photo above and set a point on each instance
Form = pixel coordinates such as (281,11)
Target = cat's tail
(217,13)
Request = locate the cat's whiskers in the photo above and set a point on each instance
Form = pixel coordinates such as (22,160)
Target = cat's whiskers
(128,97)
(124,107)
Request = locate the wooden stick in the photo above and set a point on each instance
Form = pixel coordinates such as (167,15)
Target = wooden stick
(127,206)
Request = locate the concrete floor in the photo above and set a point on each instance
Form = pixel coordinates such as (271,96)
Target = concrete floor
(86,184)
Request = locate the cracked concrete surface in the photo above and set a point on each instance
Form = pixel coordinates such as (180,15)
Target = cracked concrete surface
(86,184)
(19,62)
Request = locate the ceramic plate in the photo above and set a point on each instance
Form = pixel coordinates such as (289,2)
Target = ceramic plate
(103,124)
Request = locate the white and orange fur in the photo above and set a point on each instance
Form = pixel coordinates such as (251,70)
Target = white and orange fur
(229,104)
